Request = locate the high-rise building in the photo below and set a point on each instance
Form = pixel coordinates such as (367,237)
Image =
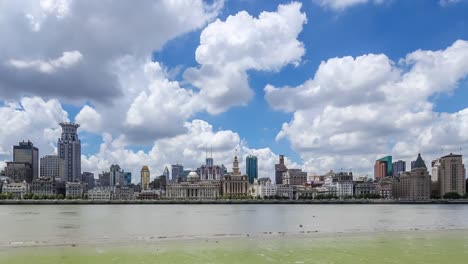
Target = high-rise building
(104,179)
(209,171)
(145,178)
(166,173)
(127,178)
(88,178)
(177,171)
(294,177)
(116,175)
(26,152)
(280,168)
(69,149)
(449,172)
(251,167)
(398,166)
(52,166)
(383,167)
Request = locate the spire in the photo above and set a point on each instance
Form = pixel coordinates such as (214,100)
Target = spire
(419,163)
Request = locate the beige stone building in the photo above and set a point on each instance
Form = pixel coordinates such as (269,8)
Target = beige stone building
(414,185)
(235,183)
(449,174)
(194,189)
(145,178)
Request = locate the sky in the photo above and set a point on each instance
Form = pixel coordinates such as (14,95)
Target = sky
(331,84)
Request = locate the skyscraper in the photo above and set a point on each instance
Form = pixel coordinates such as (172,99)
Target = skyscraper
(127,178)
(383,167)
(25,152)
(398,166)
(280,168)
(251,168)
(69,149)
(166,173)
(449,171)
(145,178)
(177,171)
(52,166)
(116,175)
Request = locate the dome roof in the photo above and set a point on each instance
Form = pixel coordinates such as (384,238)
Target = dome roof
(192,174)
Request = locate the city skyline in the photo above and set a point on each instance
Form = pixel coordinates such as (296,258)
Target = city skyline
(152,98)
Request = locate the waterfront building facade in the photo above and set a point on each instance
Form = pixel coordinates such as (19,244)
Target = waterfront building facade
(145,178)
(284,190)
(100,194)
(263,187)
(69,149)
(123,193)
(43,186)
(52,166)
(251,167)
(17,189)
(194,189)
(26,152)
(74,189)
(449,173)
(280,168)
(364,188)
(414,185)
(235,183)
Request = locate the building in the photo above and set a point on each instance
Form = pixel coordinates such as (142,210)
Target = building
(52,166)
(177,172)
(251,167)
(123,193)
(294,177)
(116,175)
(383,167)
(26,152)
(69,149)
(104,179)
(398,166)
(263,187)
(414,185)
(384,187)
(145,178)
(159,183)
(43,186)
(88,179)
(235,183)
(149,195)
(166,173)
(285,191)
(280,168)
(17,189)
(19,171)
(364,188)
(100,194)
(449,173)
(194,189)
(128,178)
(344,184)
(209,171)
(74,189)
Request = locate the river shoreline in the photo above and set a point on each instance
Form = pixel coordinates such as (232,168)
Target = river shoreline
(336,201)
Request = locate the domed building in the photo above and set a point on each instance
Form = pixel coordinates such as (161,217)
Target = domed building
(193,189)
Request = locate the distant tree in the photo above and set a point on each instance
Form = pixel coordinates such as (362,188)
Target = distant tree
(60,197)
(452,195)
(36,197)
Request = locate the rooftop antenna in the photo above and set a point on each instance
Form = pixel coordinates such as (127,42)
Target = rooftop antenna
(211,149)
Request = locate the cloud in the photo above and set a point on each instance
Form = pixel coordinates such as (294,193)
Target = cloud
(68,59)
(340,5)
(229,48)
(31,118)
(373,106)
(46,36)
(445,3)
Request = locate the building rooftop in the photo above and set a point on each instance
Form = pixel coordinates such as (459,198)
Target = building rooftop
(451,155)
(419,163)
